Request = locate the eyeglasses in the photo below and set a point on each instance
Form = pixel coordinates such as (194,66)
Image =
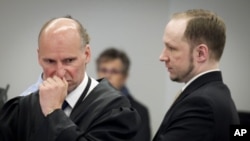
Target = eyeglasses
(110,71)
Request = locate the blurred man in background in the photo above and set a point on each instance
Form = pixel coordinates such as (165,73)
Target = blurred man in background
(113,64)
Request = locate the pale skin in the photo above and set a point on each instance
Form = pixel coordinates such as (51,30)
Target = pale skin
(181,61)
(117,80)
(63,58)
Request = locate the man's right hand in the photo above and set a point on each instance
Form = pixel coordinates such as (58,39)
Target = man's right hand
(52,93)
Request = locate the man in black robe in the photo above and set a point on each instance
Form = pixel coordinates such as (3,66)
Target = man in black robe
(69,104)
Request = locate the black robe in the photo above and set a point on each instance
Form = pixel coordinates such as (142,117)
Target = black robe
(144,133)
(105,115)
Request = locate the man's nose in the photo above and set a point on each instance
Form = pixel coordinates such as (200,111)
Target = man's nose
(60,72)
(164,55)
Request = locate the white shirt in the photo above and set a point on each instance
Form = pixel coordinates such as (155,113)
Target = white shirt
(73,96)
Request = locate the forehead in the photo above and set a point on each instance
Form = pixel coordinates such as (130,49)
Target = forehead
(174,30)
(61,36)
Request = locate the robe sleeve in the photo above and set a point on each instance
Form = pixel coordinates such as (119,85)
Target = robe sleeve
(8,120)
(117,124)
(22,120)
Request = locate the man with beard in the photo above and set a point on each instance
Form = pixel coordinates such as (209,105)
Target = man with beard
(194,41)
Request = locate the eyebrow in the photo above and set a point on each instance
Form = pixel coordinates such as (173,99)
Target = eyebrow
(168,44)
(64,59)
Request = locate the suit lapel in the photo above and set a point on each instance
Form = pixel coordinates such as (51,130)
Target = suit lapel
(200,81)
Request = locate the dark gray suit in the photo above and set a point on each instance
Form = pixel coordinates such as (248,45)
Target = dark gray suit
(203,112)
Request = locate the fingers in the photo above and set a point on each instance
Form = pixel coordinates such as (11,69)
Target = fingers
(52,93)
(54,80)
(65,81)
(54,83)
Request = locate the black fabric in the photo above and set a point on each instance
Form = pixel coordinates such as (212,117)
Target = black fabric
(144,133)
(3,95)
(244,117)
(79,101)
(104,115)
(203,112)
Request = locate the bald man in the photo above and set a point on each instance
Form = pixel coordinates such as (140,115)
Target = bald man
(69,105)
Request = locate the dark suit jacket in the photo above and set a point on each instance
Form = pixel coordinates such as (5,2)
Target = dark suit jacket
(203,112)
(105,115)
(144,133)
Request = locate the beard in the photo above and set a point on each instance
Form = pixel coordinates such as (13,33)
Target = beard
(185,76)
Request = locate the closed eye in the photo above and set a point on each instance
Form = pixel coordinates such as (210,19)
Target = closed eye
(169,47)
(49,61)
(69,60)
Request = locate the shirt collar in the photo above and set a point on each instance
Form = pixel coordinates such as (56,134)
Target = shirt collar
(73,96)
(33,87)
(200,74)
(39,81)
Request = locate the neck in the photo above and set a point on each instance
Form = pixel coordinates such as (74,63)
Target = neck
(200,68)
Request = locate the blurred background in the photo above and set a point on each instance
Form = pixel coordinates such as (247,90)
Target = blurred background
(136,26)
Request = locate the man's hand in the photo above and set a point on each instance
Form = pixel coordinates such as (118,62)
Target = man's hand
(52,93)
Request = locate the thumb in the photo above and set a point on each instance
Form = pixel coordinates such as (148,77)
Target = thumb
(65,81)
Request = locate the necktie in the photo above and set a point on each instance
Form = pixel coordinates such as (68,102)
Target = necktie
(65,104)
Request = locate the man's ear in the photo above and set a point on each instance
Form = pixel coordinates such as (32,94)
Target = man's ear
(87,53)
(201,53)
(38,55)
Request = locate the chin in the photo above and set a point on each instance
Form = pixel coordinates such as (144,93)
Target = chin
(175,79)
(71,88)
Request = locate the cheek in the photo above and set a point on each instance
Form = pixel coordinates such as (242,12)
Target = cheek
(113,82)
(178,64)
(181,58)
(100,75)
(48,72)
(75,72)
(117,80)
(184,63)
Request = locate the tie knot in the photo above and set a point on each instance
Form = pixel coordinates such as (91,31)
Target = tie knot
(65,104)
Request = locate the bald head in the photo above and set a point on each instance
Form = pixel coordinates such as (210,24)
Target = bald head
(64,24)
(61,24)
